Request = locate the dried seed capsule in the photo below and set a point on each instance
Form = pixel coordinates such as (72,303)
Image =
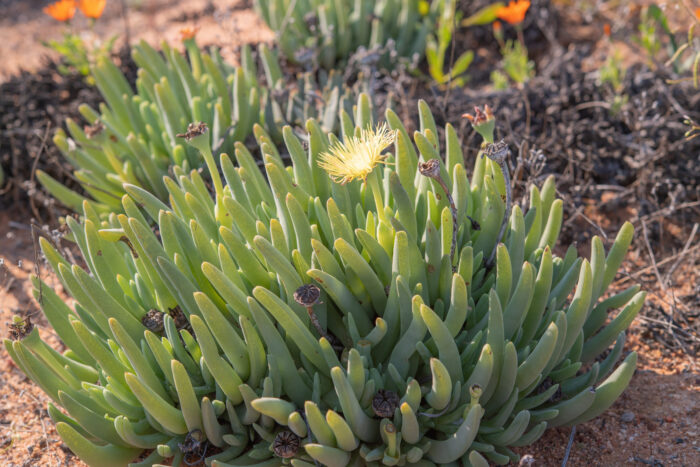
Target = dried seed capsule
(286,444)
(194,447)
(497,152)
(20,328)
(307,295)
(94,130)
(153,320)
(179,317)
(430,168)
(384,403)
(311,21)
(193,130)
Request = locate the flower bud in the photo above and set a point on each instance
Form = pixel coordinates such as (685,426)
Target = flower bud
(483,122)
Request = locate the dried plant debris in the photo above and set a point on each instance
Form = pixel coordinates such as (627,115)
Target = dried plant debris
(676,331)
(639,152)
(32,106)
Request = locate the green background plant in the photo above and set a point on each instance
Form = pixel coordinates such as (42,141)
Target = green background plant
(326,32)
(438,44)
(80,54)
(133,137)
(516,63)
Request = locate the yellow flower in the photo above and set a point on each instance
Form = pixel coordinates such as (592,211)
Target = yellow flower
(357,157)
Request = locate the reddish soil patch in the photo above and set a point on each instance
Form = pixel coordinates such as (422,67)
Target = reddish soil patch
(27,434)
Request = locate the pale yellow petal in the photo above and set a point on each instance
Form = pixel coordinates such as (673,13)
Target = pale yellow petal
(356,157)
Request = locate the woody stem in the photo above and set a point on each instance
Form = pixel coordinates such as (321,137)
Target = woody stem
(506,176)
(316,323)
(453,209)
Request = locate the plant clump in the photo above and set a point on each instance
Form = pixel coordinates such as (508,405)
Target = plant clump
(323,33)
(355,323)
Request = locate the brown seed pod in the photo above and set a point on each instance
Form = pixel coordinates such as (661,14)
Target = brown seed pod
(93,130)
(430,169)
(385,403)
(193,130)
(286,444)
(194,447)
(307,295)
(153,320)
(180,318)
(497,152)
(20,329)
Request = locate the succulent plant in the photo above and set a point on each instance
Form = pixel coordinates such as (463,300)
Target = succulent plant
(325,32)
(437,46)
(293,319)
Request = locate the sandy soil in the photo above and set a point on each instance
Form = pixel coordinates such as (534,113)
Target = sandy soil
(226,23)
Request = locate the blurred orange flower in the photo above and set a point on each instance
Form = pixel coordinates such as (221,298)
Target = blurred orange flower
(62,10)
(92,8)
(606,29)
(497,26)
(188,33)
(697,13)
(514,13)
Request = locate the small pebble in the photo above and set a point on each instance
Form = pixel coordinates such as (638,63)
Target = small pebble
(627,417)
